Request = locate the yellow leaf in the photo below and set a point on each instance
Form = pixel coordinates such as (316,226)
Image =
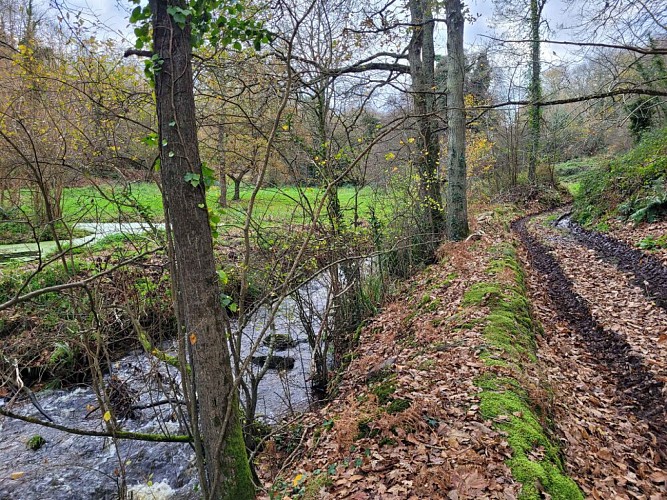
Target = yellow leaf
(193,338)
(107,416)
(285,127)
(17,475)
(297,479)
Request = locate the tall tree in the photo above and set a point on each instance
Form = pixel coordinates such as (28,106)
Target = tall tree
(421,56)
(535,88)
(202,318)
(457,203)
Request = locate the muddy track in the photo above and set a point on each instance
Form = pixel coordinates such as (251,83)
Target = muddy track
(649,273)
(636,386)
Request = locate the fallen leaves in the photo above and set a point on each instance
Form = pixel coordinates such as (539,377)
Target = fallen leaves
(436,445)
(610,452)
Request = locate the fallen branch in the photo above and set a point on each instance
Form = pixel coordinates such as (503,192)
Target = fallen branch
(133,436)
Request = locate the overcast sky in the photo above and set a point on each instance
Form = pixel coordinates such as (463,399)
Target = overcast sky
(113,13)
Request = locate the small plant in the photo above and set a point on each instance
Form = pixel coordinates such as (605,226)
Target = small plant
(652,243)
(35,442)
(398,405)
(62,355)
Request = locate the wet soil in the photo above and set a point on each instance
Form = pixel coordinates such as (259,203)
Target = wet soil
(649,272)
(637,389)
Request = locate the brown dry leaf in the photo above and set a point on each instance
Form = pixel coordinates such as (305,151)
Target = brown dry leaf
(658,477)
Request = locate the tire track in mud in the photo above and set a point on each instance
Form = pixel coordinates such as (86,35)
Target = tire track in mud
(636,386)
(649,273)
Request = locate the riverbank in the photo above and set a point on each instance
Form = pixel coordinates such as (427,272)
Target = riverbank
(477,381)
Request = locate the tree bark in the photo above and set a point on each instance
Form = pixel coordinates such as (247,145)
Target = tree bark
(535,89)
(197,288)
(237,187)
(457,202)
(222,173)
(421,56)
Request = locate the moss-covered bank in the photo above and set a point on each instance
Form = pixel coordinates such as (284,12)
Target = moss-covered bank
(506,396)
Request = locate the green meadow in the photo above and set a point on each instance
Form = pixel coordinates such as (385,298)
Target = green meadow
(139,201)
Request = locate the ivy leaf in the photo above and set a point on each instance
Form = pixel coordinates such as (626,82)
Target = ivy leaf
(224,279)
(136,14)
(150,139)
(191,177)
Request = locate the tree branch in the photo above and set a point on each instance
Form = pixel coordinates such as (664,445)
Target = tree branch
(631,48)
(589,97)
(134,436)
(138,53)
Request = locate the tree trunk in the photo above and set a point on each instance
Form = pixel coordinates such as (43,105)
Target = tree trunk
(222,173)
(457,203)
(421,55)
(197,288)
(237,187)
(535,90)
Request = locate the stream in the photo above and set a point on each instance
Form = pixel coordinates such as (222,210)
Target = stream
(83,467)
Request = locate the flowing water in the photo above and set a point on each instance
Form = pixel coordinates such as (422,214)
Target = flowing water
(74,467)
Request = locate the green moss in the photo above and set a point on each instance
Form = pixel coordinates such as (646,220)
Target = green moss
(426,365)
(384,390)
(424,300)
(434,305)
(35,442)
(398,405)
(512,413)
(510,343)
(312,488)
(482,293)
(237,480)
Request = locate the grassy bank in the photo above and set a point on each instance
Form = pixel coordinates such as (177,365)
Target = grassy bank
(632,186)
(571,173)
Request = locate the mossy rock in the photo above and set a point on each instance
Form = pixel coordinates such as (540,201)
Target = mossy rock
(510,342)
(275,362)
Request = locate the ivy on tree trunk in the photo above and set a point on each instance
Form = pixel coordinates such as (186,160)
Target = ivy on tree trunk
(457,202)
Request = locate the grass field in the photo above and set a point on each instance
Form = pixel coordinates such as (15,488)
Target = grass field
(286,204)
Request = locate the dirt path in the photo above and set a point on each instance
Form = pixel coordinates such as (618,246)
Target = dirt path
(605,355)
